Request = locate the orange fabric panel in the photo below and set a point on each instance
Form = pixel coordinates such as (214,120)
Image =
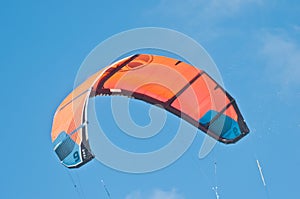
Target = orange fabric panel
(161,78)
(158,77)
(69,118)
(219,98)
(201,97)
(162,93)
(69,114)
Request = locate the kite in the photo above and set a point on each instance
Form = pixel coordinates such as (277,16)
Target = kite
(178,87)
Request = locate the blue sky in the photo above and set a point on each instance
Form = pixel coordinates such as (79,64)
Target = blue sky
(255,44)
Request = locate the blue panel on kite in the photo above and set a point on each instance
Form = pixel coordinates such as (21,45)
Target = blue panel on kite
(67,150)
(228,127)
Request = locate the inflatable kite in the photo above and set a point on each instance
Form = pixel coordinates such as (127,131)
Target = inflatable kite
(178,87)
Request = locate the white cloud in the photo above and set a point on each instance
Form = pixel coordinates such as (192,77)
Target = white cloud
(296,28)
(282,56)
(134,195)
(201,15)
(203,10)
(225,8)
(156,194)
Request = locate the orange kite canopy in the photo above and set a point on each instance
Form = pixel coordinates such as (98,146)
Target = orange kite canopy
(178,87)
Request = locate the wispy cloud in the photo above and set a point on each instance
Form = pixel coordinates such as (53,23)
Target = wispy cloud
(296,28)
(205,16)
(203,10)
(156,194)
(282,57)
(217,9)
